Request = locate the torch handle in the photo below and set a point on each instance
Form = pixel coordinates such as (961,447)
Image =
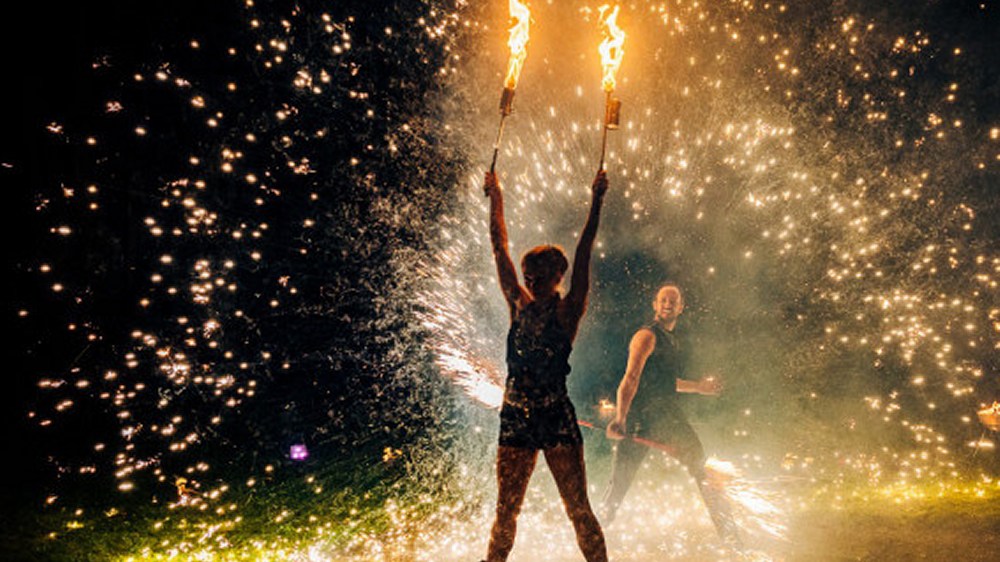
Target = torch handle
(604,134)
(496,144)
(635,439)
(604,144)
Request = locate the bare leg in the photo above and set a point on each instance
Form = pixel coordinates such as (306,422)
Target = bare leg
(627,458)
(514,468)
(718,506)
(570,473)
(691,454)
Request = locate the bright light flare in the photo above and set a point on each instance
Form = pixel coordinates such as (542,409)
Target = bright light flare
(520,18)
(612,48)
(298,452)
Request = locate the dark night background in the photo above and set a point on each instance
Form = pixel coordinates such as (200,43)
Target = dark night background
(51,50)
(69,63)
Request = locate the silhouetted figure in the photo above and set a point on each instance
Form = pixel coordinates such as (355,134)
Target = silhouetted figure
(537,414)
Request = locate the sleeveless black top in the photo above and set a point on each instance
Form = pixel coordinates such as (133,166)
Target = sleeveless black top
(538,351)
(658,383)
(537,412)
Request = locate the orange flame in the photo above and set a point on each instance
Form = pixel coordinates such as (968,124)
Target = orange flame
(612,48)
(990,416)
(520,17)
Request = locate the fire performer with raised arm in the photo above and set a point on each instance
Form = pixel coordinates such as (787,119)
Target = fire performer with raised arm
(537,414)
(647,407)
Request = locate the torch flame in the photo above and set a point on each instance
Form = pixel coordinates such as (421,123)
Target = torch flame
(994,408)
(520,17)
(612,48)
(990,417)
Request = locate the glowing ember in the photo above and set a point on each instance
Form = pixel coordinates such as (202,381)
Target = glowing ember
(606,408)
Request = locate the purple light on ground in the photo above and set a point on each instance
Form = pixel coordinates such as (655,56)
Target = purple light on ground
(298,452)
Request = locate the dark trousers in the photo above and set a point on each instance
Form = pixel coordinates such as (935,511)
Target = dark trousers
(671,429)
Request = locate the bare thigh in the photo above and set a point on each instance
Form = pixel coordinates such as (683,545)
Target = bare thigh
(514,468)
(570,473)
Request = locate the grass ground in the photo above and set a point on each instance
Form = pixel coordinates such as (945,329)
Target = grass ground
(962,528)
(664,521)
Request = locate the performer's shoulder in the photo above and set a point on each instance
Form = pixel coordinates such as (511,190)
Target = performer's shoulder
(647,328)
(645,332)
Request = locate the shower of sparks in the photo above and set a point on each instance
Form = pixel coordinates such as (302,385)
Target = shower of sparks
(746,163)
(819,191)
(825,199)
(755,508)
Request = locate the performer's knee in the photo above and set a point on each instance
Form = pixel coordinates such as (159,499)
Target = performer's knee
(508,510)
(695,465)
(585,522)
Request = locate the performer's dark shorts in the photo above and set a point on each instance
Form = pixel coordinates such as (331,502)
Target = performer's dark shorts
(533,426)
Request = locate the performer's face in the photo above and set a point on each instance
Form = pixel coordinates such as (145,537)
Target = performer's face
(668,304)
(542,283)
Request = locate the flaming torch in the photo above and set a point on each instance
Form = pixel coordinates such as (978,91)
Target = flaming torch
(520,17)
(612,50)
(990,417)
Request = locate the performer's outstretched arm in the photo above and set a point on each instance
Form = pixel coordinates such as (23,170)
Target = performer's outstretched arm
(576,299)
(512,290)
(641,347)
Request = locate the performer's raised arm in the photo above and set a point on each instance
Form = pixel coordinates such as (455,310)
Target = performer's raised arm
(512,290)
(576,299)
(639,350)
